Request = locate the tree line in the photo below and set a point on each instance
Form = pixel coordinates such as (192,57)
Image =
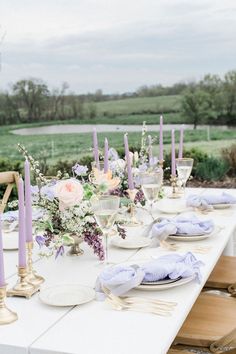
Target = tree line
(211,100)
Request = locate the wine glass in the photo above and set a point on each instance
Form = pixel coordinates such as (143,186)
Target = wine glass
(184,168)
(105,208)
(151,183)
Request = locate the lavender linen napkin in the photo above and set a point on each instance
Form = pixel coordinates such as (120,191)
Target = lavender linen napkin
(206,200)
(120,279)
(181,224)
(172,266)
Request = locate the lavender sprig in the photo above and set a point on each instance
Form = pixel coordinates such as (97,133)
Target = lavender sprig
(92,236)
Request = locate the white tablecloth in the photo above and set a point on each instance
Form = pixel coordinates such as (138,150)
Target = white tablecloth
(95,328)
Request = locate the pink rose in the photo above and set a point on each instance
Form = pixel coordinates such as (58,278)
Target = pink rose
(69,192)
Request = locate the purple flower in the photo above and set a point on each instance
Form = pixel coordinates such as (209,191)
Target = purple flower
(48,192)
(112,154)
(60,251)
(153,161)
(79,170)
(40,240)
(143,167)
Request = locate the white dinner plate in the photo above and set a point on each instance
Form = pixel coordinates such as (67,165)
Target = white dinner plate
(183,237)
(160,282)
(67,295)
(179,282)
(10,241)
(221,206)
(171,206)
(131,242)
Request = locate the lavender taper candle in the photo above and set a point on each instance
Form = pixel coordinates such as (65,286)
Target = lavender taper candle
(2,276)
(28,204)
(181,141)
(173,171)
(129,168)
(105,155)
(161,140)
(22,239)
(95,148)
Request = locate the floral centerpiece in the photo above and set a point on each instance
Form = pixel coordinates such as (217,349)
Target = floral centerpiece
(67,210)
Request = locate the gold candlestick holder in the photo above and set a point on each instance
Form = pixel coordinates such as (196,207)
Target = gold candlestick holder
(23,288)
(173,181)
(32,276)
(133,220)
(6,315)
(161,163)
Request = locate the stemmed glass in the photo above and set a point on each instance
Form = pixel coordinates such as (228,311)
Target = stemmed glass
(151,183)
(184,168)
(105,209)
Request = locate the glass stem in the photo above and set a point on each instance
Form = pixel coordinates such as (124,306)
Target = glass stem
(106,247)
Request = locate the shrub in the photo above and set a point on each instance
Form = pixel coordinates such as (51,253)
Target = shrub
(229,155)
(212,169)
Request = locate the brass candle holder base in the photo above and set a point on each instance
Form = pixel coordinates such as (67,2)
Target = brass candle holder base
(6,315)
(32,276)
(133,220)
(174,194)
(23,288)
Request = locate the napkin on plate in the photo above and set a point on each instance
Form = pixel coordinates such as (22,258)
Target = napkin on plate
(121,278)
(10,218)
(207,199)
(182,224)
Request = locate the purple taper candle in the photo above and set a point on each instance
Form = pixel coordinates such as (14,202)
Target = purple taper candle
(105,155)
(181,141)
(150,147)
(28,204)
(173,171)
(128,162)
(95,148)
(2,276)
(161,139)
(22,240)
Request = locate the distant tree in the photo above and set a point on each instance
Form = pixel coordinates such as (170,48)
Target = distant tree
(91,110)
(31,96)
(229,97)
(196,105)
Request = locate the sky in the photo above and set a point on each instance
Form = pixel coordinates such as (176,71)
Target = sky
(115,45)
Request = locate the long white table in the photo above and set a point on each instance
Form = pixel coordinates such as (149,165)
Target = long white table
(95,327)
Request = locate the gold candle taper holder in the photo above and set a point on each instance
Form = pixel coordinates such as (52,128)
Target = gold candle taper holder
(32,276)
(173,181)
(133,220)
(161,163)
(23,288)
(6,315)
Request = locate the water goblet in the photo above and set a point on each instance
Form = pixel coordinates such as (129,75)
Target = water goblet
(151,183)
(184,168)
(105,209)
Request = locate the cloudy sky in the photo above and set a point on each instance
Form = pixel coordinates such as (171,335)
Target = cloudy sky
(116,45)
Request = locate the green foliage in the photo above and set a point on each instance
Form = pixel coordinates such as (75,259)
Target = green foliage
(229,155)
(212,169)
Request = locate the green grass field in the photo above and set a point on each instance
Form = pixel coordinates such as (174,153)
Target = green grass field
(73,146)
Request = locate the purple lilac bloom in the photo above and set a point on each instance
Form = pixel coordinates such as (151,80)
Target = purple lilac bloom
(143,167)
(79,170)
(40,240)
(153,161)
(112,154)
(60,251)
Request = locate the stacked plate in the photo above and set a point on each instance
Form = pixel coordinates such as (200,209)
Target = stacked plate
(165,283)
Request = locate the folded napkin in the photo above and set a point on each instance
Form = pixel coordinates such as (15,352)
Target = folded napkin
(207,199)
(181,224)
(120,279)
(12,215)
